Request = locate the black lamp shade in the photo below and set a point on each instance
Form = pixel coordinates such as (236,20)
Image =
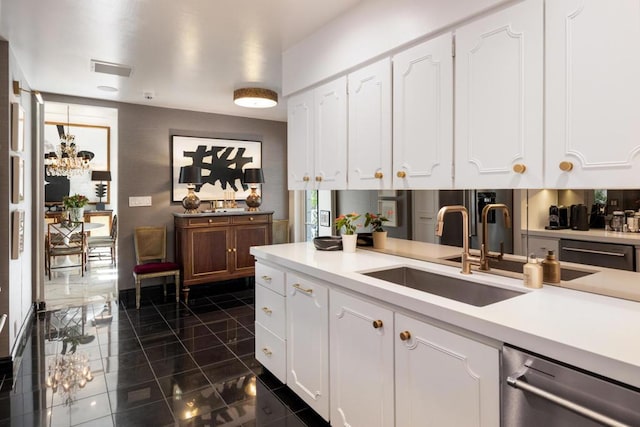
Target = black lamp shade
(100,175)
(253,176)
(190,175)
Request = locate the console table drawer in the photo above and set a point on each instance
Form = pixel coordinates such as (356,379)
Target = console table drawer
(250,219)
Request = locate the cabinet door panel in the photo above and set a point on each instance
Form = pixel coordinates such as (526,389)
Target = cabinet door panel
(444,379)
(245,237)
(499,99)
(210,251)
(308,342)
(330,149)
(300,142)
(370,127)
(592,93)
(361,360)
(423,115)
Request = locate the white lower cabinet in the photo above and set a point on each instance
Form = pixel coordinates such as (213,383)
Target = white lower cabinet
(308,342)
(361,362)
(444,379)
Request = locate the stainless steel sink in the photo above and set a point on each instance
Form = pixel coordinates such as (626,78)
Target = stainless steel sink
(448,287)
(516,267)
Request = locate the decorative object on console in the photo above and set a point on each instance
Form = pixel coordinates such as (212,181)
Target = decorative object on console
(253,176)
(101,189)
(67,160)
(75,206)
(254,97)
(192,176)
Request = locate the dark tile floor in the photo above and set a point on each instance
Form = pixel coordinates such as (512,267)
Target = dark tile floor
(166,364)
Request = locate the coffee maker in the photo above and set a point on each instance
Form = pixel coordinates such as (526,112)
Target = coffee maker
(558,218)
(598,216)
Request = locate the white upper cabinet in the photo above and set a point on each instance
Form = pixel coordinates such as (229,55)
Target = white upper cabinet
(499,99)
(592,93)
(423,115)
(317,138)
(370,127)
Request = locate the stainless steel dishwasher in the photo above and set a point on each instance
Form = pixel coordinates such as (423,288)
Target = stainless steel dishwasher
(537,391)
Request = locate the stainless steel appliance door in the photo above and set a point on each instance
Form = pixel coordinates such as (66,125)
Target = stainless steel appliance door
(540,392)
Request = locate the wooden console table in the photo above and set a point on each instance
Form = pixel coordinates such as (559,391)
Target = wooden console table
(215,246)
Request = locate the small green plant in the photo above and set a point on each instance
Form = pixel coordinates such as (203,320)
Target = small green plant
(75,201)
(348,222)
(375,221)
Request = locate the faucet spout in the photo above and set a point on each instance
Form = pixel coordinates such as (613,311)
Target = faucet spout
(467,259)
(485,232)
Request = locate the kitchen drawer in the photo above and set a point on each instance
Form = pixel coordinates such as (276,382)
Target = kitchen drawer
(271,352)
(208,221)
(270,312)
(609,255)
(270,278)
(250,219)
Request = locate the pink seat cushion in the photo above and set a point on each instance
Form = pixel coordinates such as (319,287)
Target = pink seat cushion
(155,267)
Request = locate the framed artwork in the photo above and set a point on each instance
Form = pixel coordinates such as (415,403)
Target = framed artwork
(325,220)
(94,139)
(222,162)
(17,127)
(17,234)
(389,209)
(17,179)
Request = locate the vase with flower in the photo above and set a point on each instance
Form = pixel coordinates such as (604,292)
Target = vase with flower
(75,206)
(375,221)
(346,224)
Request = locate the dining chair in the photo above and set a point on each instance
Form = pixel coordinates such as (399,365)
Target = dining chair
(151,259)
(65,240)
(97,242)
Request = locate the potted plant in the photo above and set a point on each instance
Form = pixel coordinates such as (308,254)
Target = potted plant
(75,206)
(349,238)
(379,235)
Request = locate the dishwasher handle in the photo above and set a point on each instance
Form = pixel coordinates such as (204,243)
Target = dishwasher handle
(592,251)
(517,383)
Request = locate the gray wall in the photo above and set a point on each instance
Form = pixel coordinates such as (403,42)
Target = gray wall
(144,159)
(362,201)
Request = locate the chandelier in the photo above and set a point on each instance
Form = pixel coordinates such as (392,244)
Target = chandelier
(67,160)
(67,374)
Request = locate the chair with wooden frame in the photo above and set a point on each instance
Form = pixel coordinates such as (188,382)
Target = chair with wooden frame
(95,242)
(151,253)
(65,239)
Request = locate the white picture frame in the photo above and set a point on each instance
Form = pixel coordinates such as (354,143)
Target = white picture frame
(17,127)
(389,209)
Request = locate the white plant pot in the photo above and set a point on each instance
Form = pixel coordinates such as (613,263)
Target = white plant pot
(349,243)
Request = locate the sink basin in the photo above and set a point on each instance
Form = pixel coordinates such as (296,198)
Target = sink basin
(516,267)
(448,287)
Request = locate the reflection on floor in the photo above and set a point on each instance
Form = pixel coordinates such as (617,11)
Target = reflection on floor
(166,364)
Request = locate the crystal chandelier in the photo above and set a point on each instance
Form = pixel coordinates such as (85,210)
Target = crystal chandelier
(67,160)
(67,374)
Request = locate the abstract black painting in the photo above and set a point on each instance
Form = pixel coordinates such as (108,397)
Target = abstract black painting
(222,161)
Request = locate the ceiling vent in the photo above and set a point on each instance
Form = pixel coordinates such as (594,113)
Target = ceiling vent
(110,68)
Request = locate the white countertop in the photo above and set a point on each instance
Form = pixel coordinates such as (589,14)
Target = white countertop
(597,333)
(592,235)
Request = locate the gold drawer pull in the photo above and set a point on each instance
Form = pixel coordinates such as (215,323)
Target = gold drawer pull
(266,351)
(266,278)
(234,249)
(377,324)
(210,221)
(519,168)
(402,174)
(267,310)
(300,288)
(305,178)
(318,178)
(250,218)
(228,249)
(566,166)
(378,175)
(405,335)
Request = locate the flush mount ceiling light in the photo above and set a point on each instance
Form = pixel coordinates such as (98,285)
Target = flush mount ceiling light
(254,97)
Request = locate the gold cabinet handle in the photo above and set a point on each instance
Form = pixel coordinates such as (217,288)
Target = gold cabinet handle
(405,335)
(266,278)
(305,178)
(401,174)
(378,175)
(250,218)
(566,166)
(300,288)
(318,178)
(234,249)
(210,221)
(519,168)
(228,249)
(267,310)
(377,324)
(266,351)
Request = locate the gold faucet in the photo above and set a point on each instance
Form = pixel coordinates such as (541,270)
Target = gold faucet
(486,253)
(467,259)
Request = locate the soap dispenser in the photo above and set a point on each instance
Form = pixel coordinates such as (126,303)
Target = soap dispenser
(532,273)
(550,269)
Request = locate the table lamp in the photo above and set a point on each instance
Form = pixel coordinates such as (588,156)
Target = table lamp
(101,189)
(190,175)
(253,176)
